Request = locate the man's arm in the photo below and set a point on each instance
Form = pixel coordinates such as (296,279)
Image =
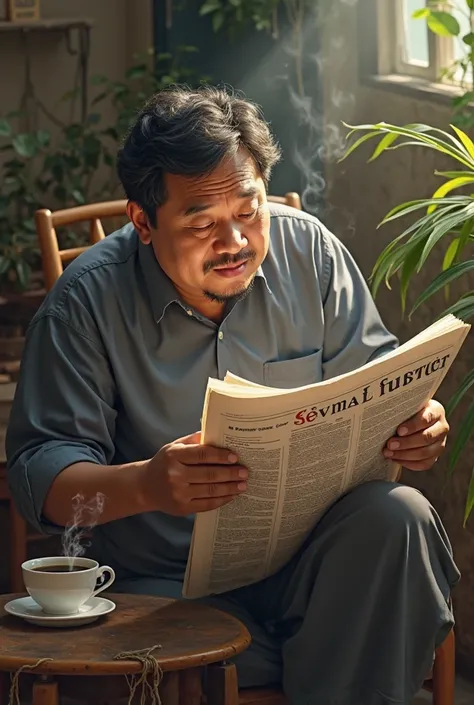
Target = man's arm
(61,430)
(354,333)
(60,442)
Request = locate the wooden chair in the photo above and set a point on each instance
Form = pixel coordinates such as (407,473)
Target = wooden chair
(47,223)
(441,680)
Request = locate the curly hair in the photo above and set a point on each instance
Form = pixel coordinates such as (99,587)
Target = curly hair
(188,132)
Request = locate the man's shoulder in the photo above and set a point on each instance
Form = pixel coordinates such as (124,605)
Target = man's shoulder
(279,212)
(104,268)
(298,241)
(294,228)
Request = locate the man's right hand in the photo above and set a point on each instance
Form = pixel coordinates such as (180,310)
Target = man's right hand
(186,477)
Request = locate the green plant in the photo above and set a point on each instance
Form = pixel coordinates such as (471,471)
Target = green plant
(237,14)
(74,167)
(21,183)
(441,19)
(443,221)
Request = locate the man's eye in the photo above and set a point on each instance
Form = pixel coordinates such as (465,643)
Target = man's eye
(247,216)
(201,228)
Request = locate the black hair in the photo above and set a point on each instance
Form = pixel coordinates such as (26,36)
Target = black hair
(189,132)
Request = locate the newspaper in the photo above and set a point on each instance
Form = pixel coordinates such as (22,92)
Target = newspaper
(303,448)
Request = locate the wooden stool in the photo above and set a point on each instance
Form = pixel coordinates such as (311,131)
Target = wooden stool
(83,666)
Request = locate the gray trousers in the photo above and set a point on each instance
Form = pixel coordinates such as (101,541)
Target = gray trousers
(355,617)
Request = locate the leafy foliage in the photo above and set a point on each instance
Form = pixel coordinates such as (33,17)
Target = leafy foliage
(238,14)
(446,220)
(76,167)
(441,21)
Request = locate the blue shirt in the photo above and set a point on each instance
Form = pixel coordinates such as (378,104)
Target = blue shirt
(116,365)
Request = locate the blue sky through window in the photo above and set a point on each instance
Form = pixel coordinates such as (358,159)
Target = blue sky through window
(416,34)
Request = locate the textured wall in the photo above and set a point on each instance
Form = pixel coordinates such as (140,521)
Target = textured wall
(121,28)
(358,196)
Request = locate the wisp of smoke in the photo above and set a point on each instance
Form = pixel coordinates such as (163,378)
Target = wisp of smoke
(85,517)
(324,140)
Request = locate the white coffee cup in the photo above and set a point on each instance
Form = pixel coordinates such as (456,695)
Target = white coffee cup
(64,591)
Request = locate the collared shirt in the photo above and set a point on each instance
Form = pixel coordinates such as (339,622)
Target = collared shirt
(116,366)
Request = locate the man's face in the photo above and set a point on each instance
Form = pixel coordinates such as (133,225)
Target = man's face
(212,233)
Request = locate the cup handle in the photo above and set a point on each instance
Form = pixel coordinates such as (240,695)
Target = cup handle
(100,573)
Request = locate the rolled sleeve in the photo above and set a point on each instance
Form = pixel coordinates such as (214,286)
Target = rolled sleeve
(63,413)
(354,331)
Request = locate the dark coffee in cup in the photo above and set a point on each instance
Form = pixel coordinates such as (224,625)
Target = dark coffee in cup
(59,568)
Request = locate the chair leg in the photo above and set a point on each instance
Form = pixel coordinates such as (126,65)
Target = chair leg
(45,692)
(444,672)
(221,684)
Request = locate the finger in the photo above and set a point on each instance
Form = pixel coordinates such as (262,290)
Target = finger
(213,474)
(193,438)
(216,489)
(420,465)
(416,454)
(203,455)
(432,434)
(205,505)
(430,414)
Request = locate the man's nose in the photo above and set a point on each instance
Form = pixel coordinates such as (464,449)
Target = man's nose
(230,239)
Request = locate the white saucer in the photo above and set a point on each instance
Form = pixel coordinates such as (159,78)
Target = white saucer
(30,611)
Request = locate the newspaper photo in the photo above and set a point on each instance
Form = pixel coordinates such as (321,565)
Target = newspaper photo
(303,448)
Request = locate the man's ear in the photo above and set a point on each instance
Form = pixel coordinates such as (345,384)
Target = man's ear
(140,220)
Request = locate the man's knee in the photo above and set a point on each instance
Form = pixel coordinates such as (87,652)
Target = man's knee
(389,506)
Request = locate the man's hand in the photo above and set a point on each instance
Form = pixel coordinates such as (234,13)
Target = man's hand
(420,440)
(186,477)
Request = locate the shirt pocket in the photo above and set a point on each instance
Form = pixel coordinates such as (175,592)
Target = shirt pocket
(297,372)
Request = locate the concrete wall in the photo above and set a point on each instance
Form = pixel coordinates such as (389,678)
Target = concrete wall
(121,28)
(358,196)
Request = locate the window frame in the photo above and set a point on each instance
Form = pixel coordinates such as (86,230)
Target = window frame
(391,46)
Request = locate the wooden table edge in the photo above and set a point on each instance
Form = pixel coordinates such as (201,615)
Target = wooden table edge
(221,652)
(116,668)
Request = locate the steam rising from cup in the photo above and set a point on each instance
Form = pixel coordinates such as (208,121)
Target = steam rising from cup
(85,517)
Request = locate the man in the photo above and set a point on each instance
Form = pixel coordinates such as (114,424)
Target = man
(209,278)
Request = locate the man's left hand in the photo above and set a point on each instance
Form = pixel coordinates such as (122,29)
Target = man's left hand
(420,440)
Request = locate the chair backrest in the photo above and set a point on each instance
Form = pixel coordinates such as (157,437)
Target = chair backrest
(48,222)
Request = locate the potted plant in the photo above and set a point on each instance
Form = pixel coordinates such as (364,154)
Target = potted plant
(443,221)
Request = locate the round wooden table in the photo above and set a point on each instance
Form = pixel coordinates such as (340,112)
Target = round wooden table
(83,661)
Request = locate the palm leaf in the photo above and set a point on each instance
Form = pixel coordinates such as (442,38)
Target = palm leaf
(419,133)
(451,174)
(469,500)
(450,202)
(460,392)
(449,186)
(467,142)
(357,143)
(444,226)
(384,144)
(442,280)
(450,254)
(409,266)
(463,309)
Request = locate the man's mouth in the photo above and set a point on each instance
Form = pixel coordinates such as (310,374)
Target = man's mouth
(231,270)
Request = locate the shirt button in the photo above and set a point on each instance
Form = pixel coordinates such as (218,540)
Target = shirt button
(189,312)
(221,335)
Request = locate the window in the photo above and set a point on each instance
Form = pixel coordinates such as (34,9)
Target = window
(407,47)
